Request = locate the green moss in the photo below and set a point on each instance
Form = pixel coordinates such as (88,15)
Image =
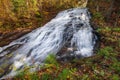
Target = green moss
(51,59)
(115,77)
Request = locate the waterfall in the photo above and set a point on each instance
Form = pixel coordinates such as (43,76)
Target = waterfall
(70,28)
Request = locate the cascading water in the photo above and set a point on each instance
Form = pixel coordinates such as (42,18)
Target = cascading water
(70,29)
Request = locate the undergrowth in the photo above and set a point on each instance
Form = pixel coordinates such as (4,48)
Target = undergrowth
(105,65)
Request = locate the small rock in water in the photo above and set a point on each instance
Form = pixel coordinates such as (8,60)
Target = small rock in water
(1,49)
(70,49)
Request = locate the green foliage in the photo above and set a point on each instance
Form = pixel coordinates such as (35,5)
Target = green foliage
(34,76)
(18,4)
(116,66)
(38,15)
(115,77)
(98,15)
(51,59)
(46,76)
(64,75)
(85,77)
(106,52)
(20,75)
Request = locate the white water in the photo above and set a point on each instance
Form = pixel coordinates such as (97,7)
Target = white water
(70,25)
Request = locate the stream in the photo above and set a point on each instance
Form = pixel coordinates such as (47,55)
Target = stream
(70,29)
